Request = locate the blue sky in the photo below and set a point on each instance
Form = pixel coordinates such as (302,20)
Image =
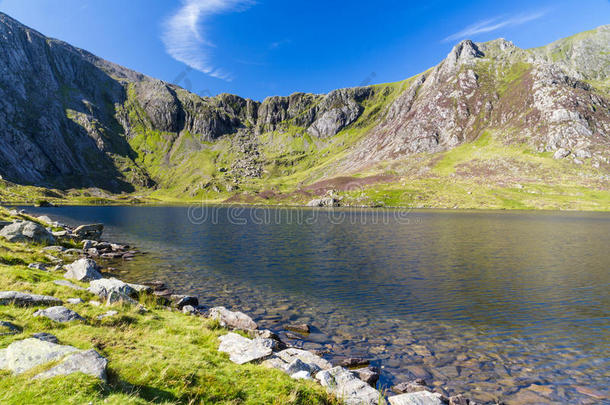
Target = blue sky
(259,48)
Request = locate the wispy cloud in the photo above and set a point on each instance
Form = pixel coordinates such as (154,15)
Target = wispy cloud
(279,44)
(185,38)
(494,24)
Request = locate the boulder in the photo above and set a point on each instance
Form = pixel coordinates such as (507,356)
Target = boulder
(46,337)
(115,297)
(297,366)
(66,283)
(88,244)
(22,355)
(27,231)
(38,266)
(369,375)
(231,319)
(189,309)
(242,350)
(87,362)
(74,301)
(106,315)
(289,355)
(345,385)
(83,270)
(91,231)
(418,398)
(24,299)
(59,314)
(561,153)
(140,288)
(301,375)
(103,287)
(4,223)
(324,202)
(179,301)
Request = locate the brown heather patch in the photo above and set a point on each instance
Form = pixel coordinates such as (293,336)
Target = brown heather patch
(347,183)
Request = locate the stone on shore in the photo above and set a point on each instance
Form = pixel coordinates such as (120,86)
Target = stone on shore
(179,301)
(59,314)
(66,283)
(345,385)
(46,337)
(115,297)
(297,366)
(141,289)
(87,362)
(22,355)
(324,202)
(83,270)
(235,320)
(289,355)
(24,299)
(27,231)
(103,287)
(91,231)
(369,375)
(242,350)
(418,398)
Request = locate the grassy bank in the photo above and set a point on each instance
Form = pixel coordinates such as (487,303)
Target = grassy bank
(161,356)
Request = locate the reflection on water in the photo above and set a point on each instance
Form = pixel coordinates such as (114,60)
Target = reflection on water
(487,303)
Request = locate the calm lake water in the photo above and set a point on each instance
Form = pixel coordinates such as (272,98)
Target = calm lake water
(511,306)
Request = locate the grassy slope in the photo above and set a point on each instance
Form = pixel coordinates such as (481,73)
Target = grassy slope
(162,356)
(490,172)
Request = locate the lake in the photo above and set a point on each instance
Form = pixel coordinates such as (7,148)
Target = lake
(509,306)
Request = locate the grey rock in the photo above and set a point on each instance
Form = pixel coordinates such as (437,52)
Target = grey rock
(91,231)
(189,309)
(232,319)
(106,315)
(22,355)
(27,231)
(458,400)
(103,287)
(582,154)
(242,350)
(83,270)
(115,297)
(369,375)
(7,328)
(4,223)
(88,244)
(141,289)
(54,248)
(299,327)
(561,153)
(37,266)
(324,202)
(179,301)
(95,303)
(410,386)
(297,366)
(275,362)
(74,301)
(66,283)
(418,398)
(291,354)
(59,314)
(88,362)
(24,299)
(46,337)
(345,385)
(301,375)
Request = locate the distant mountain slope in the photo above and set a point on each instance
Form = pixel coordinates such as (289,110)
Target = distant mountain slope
(490,114)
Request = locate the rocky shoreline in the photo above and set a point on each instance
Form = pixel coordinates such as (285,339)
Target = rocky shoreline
(353,381)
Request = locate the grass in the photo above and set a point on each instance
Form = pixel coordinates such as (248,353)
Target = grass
(158,357)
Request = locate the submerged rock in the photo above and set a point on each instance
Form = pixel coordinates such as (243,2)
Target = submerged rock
(24,299)
(232,319)
(83,270)
(27,231)
(59,314)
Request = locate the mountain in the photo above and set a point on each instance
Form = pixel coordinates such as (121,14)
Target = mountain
(492,125)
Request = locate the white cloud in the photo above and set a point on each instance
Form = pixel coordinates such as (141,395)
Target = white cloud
(185,38)
(494,24)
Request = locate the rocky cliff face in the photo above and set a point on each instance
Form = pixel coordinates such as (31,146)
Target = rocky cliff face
(71,119)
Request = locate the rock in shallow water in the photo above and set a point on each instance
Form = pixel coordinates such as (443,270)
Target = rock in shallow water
(91,231)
